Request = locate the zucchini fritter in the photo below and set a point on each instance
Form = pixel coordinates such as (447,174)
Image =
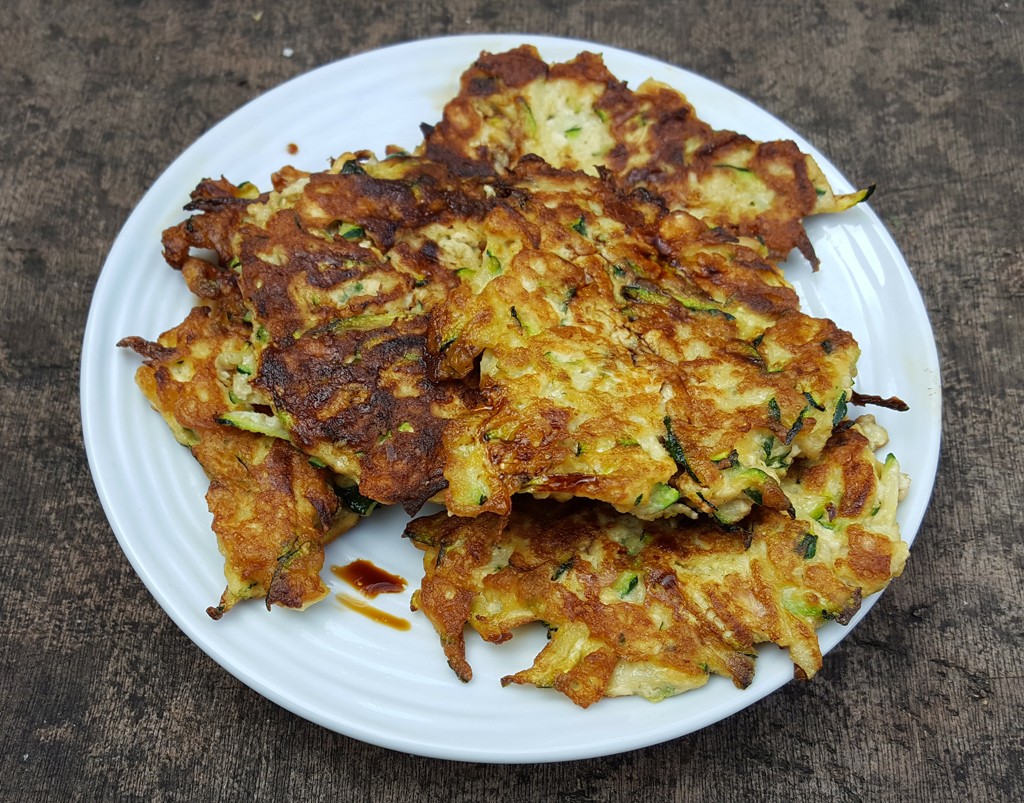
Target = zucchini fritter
(578,115)
(631,356)
(272,511)
(340,308)
(430,335)
(653,608)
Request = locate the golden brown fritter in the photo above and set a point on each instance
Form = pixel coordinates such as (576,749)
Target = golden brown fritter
(272,510)
(631,356)
(653,608)
(578,115)
(430,335)
(340,306)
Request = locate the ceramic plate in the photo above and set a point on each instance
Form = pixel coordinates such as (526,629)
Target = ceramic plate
(330,664)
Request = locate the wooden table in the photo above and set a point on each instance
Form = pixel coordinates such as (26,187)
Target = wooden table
(103,698)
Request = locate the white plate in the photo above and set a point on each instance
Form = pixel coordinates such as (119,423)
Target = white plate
(332,665)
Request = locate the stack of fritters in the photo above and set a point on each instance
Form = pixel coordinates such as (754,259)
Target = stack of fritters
(569,291)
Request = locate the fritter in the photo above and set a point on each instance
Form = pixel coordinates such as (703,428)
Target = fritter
(272,510)
(434,336)
(631,356)
(578,115)
(654,608)
(339,308)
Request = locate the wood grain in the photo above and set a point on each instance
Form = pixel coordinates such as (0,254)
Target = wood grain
(103,698)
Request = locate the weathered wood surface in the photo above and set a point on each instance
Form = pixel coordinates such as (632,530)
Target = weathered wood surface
(103,698)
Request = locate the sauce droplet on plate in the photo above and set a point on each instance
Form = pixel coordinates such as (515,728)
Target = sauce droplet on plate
(370,612)
(292,148)
(369,579)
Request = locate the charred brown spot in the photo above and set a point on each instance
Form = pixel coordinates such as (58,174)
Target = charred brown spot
(513,68)
(369,391)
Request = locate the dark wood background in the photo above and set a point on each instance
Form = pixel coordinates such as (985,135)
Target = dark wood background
(103,698)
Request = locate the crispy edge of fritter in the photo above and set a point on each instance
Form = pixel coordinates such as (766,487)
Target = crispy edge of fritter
(273,515)
(717,592)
